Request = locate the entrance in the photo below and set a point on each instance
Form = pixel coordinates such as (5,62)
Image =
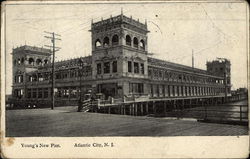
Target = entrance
(108,89)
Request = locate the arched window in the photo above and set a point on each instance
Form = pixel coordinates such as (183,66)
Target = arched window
(115,40)
(128,40)
(39,62)
(34,77)
(98,43)
(18,61)
(106,42)
(46,61)
(31,61)
(135,42)
(142,45)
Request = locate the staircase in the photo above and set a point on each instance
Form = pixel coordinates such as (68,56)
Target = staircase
(85,106)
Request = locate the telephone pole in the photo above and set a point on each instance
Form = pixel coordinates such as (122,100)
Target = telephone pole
(53,39)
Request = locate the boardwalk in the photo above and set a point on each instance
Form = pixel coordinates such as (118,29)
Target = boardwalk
(66,122)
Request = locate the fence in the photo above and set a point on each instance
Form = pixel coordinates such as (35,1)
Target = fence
(219,113)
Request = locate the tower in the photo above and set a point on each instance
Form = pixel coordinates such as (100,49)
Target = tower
(26,59)
(119,50)
(221,67)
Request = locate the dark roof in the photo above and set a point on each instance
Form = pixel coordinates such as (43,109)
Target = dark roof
(154,61)
(33,49)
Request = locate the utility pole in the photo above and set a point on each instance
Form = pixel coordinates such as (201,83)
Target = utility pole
(53,38)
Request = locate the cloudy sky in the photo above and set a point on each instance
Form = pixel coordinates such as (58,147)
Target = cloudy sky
(209,29)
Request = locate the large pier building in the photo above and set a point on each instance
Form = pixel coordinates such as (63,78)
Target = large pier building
(119,67)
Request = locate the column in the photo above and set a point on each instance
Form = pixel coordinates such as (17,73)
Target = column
(165,107)
(154,107)
(146,107)
(130,109)
(141,104)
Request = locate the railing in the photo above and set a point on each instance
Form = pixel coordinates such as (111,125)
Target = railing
(220,113)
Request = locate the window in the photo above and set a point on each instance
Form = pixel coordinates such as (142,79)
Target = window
(19,61)
(99,68)
(31,61)
(46,61)
(106,67)
(115,40)
(136,67)
(46,93)
(40,77)
(149,72)
(135,42)
(19,78)
(29,93)
(65,93)
(128,40)
(58,75)
(114,66)
(46,76)
(34,93)
(40,93)
(142,68)
(142,45)
(106,42)
(136,88)
(129,66)
(73,92)
(98,43)
(39,62)
(160,74)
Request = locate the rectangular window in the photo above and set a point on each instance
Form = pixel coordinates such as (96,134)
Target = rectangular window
(160,73)
(140,88)
(59,92)
(29,93)
(34,93)
(142,68)
(45,93)
(40,93)
(136,67)
(129,66)
(21,78)
(46,77)
(99,68)
(65,93)
(107,67)
(150,73)
(73,93)
(114,66)
(151,89)
(130,88)
(136,88)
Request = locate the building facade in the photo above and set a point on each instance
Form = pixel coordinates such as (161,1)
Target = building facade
(119,67)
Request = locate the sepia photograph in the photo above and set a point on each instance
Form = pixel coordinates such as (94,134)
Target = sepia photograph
(124,69)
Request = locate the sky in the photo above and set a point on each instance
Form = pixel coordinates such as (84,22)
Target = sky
(211,30)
